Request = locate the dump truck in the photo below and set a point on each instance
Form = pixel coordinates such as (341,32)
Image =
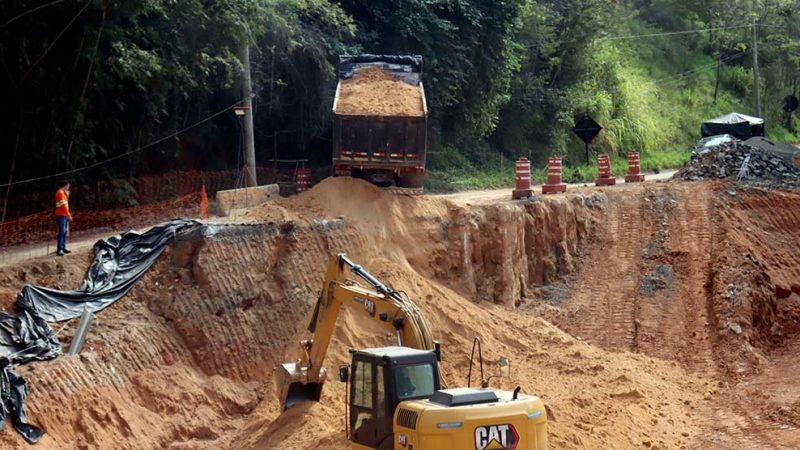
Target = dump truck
(380,120)
(395,396)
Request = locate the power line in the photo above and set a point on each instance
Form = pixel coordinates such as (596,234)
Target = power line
(696,70)
(128,153)
(781,27)
(670,33)
(32,10)
(56,40)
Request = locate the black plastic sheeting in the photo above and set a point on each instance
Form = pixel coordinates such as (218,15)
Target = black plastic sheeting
(406,67)
(737,125)
(118,263)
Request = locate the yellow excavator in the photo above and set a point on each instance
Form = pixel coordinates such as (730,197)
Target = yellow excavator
(395,397)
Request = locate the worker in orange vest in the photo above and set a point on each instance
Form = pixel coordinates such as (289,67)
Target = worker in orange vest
(63,217)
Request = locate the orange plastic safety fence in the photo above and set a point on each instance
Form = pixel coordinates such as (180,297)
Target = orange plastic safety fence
(119,205)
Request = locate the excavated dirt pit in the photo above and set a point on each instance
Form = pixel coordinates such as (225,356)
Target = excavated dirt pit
(650,316)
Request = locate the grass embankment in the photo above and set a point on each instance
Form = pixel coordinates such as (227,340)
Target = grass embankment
(649,95)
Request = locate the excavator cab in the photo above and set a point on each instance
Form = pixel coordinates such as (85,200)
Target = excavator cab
(381,378)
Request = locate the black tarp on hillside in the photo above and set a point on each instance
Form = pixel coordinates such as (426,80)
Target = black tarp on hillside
(118,263)
(737,125)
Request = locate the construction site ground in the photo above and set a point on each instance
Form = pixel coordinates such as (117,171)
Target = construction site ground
(654,315)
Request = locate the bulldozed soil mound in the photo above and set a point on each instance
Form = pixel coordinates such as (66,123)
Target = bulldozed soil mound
(186,360)
(376,92)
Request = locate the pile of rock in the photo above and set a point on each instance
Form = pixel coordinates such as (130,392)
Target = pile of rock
(726,160)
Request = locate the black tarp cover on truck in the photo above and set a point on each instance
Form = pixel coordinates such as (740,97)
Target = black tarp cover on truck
(26,336)
(405,67)
(737,125)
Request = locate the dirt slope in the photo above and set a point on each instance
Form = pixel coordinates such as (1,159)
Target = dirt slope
(756,297)
(186,360)
(705,275)
(641,286)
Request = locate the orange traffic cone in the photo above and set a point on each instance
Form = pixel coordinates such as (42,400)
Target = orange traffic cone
(203,202)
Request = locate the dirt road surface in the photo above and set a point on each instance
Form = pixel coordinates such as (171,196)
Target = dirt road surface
(495,195)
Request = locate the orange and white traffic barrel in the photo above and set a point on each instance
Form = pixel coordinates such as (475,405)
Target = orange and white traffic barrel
(303,180)
(554,183)
(523,180)
(634,174)
(604,177)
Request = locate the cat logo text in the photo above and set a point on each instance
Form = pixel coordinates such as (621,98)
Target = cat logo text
(496,437)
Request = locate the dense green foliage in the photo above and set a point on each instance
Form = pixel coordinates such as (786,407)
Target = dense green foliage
(85,81)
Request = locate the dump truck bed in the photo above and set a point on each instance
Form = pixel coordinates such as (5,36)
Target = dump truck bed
(381,136)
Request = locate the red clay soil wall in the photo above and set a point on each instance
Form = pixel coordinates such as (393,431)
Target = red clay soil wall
(756,282)
(186,360)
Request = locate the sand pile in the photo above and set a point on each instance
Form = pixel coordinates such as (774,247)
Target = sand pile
(376,92)
(348,198)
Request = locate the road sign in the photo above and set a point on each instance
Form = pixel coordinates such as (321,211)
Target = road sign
(586,129)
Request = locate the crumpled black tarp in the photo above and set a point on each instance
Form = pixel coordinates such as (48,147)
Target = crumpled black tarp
(118,263)
(14,391)
(406,67)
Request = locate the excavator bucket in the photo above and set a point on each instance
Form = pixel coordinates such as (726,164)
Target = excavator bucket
(293,386)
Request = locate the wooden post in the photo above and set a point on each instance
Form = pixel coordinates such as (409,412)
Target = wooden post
(249,139)
(756,81)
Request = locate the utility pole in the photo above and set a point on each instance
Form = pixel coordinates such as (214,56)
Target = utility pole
(756,81)
(249,139)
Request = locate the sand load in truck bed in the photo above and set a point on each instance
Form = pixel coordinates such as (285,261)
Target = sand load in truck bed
(376,92)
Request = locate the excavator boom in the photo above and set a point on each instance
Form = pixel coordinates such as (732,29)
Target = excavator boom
(303,380)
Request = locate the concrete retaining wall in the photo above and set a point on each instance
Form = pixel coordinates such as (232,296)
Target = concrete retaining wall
(234,199)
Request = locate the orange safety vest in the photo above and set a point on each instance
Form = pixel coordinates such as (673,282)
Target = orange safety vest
(62,204)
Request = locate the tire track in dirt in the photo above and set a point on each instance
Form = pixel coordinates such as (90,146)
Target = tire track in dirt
(677,321)
(730,428)
(691,242)
(605,300)
(671,227)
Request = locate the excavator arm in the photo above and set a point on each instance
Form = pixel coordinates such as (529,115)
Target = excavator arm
(303,379)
